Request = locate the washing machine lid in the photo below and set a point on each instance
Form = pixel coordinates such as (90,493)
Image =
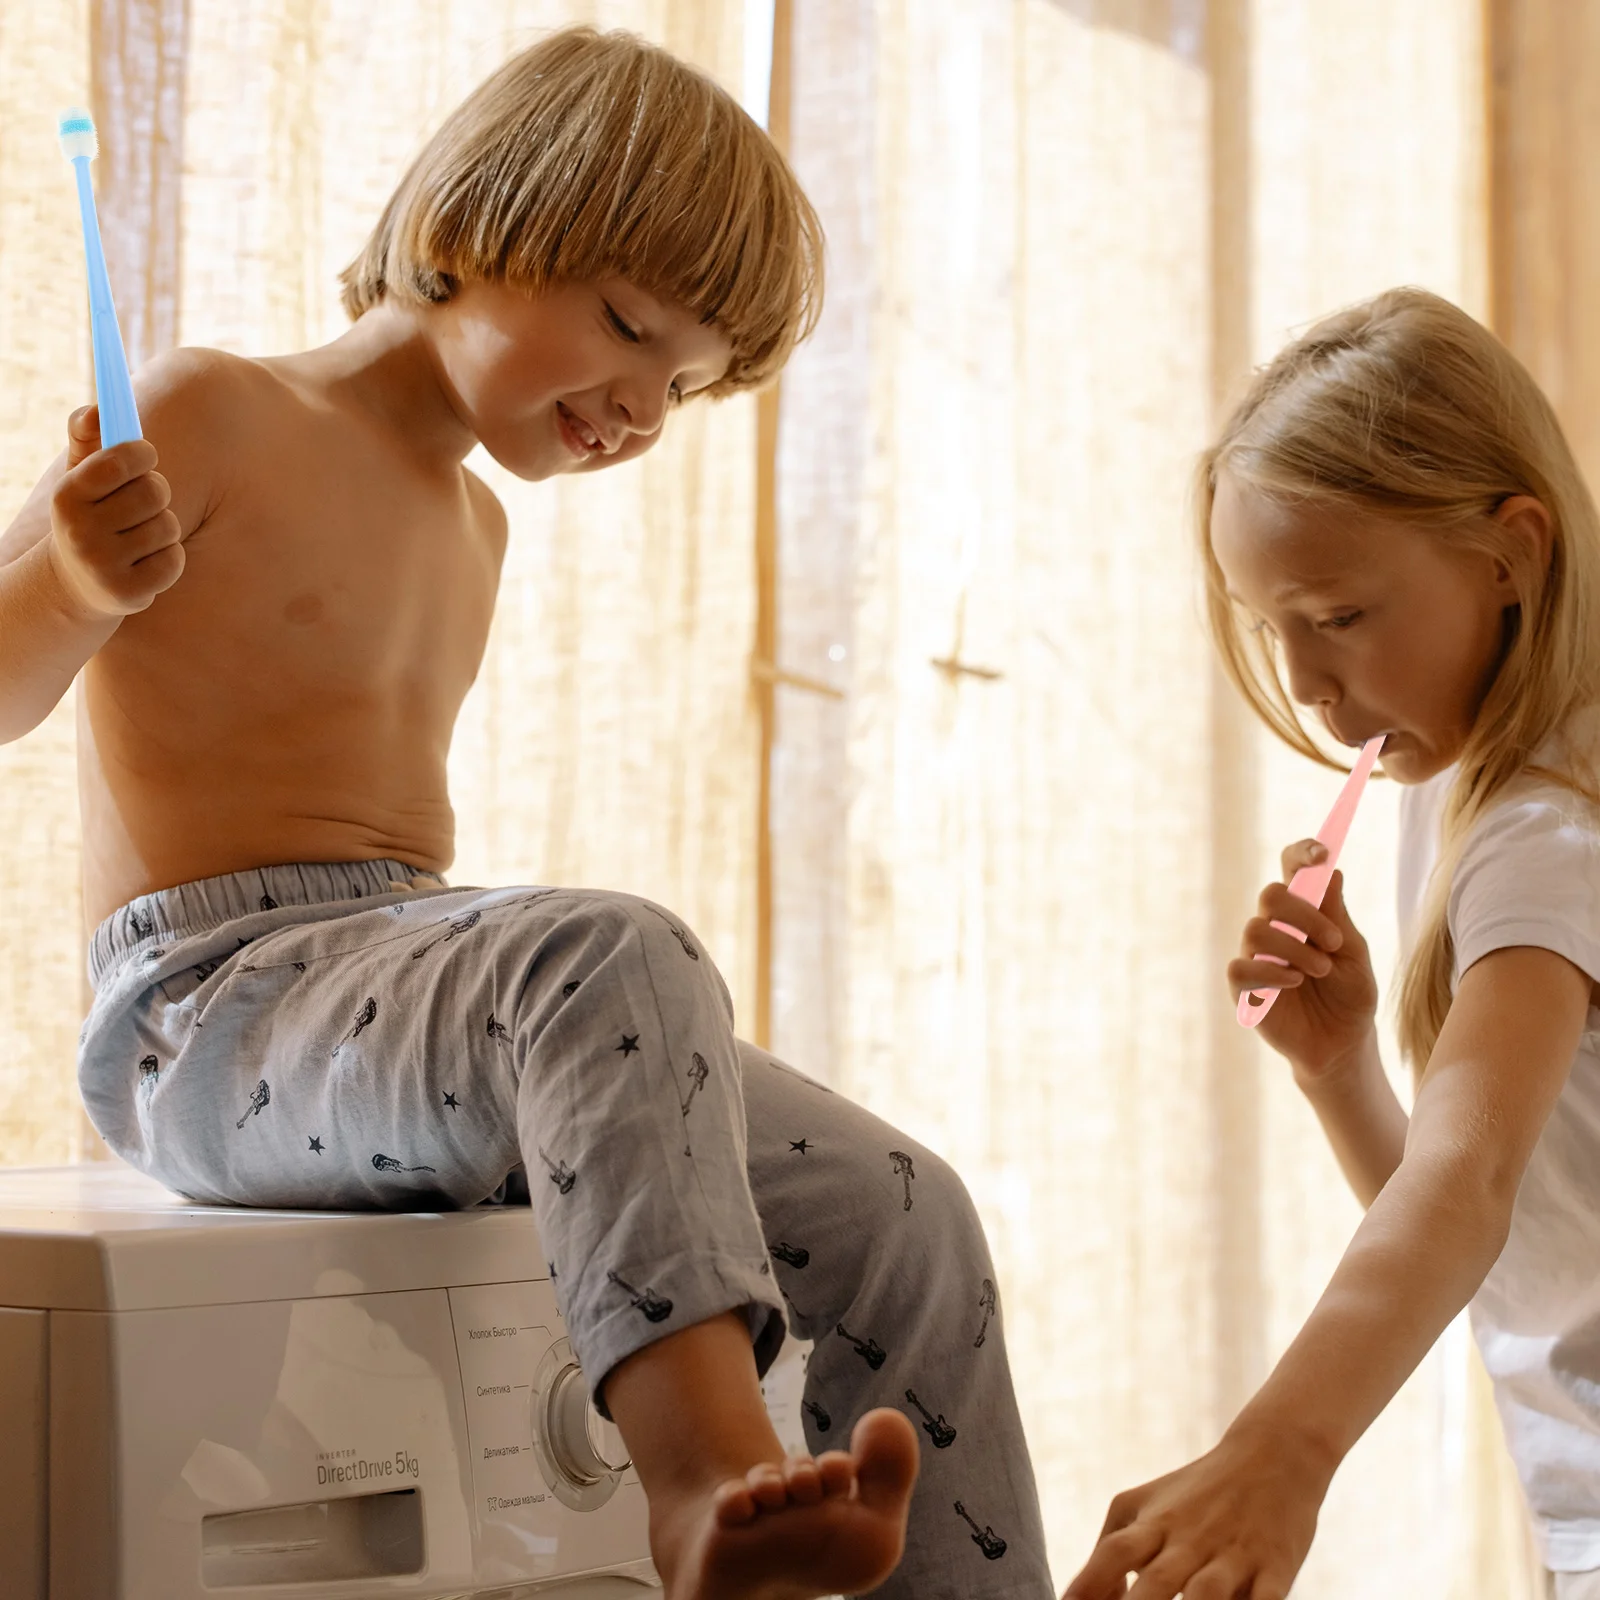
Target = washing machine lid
(102,1237)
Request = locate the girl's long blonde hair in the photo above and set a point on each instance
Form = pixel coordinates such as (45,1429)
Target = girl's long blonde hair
(1406,407)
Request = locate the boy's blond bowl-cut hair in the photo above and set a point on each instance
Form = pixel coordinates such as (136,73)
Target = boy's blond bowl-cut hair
(591,154)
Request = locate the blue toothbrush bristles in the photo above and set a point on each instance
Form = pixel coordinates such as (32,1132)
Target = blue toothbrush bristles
(77,134)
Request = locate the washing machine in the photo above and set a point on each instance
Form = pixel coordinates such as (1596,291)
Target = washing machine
(198,1401)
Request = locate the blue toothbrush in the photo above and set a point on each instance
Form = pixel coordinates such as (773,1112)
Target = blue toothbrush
(119,416)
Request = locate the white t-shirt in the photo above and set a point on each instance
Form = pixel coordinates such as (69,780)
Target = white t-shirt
(1530,875)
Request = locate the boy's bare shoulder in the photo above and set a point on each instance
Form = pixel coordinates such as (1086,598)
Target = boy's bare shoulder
(189,399)
(186,367)
(193,404)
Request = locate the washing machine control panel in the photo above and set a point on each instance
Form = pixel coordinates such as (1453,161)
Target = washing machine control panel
(550,1474)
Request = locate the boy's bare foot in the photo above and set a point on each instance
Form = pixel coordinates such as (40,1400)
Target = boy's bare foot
(795,1530)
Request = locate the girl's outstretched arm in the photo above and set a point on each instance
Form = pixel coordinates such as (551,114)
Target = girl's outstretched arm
(1240,1519)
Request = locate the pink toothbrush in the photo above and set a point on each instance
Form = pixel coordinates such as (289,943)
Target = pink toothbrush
(1311,883)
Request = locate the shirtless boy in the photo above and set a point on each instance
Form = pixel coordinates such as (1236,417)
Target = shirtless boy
(275,632)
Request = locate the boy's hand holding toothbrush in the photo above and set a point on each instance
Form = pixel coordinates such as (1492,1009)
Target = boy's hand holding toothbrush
(1329,997)
(115,544)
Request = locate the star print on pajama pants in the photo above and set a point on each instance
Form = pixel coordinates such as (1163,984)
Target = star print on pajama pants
(361,1035)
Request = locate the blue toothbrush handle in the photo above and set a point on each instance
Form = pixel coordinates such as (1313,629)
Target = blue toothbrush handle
(113,388)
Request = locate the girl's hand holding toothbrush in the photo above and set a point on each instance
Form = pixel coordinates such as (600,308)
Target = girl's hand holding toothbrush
(115,543)
(1329,994)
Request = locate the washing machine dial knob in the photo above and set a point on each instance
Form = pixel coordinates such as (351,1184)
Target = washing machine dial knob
(586,1447)
(581,1456)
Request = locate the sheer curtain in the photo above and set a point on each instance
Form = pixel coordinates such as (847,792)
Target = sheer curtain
(44,373)
(1016,820)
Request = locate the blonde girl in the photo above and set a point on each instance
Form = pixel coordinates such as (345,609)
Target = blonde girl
(1396,539)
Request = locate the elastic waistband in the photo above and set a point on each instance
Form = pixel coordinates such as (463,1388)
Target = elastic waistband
(168,915)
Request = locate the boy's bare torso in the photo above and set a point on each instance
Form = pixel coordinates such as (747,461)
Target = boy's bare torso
(292,696)
(278,599)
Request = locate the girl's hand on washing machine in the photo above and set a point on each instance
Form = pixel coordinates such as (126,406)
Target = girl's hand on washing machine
(1329,994)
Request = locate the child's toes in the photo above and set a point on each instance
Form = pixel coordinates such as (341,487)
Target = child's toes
(767,1487)
(803,1480)
(733,1506)
(837,1470)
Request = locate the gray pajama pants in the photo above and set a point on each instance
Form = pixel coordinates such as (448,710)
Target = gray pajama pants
(341,1036)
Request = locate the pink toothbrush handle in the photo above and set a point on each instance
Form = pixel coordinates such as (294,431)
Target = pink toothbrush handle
(1311,883)
(1254,1004)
